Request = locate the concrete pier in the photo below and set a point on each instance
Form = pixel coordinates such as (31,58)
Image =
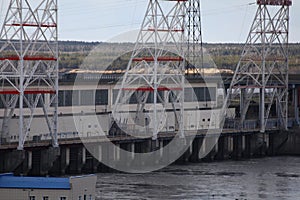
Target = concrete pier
(75,158)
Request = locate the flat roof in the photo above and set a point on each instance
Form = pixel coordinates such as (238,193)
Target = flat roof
(16,182)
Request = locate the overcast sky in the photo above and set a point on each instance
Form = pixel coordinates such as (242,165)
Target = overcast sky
(113,20)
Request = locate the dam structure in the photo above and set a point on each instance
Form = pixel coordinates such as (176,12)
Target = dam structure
(86,121)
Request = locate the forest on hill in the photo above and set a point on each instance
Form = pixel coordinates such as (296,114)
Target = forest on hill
(99,55)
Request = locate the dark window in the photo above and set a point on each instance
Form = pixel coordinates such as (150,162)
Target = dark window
(133,98)
(31,197)
(7,98)
(172,96)
(160,96)
(1,102)
(150,98)
(68,97)
(200,94)
(61,98)
(31,98)
(101,97)
(211,94)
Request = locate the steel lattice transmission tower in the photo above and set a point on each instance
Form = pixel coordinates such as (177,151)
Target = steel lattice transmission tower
(194,54)
(263,66)
(29,66)
(156,70)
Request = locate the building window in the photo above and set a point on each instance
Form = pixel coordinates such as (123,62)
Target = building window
(68,97)
(115,95)
(63,198)
(189,94)
(159,97)
(101,97)
(31,197)
(173,96)
(61,98)
(46,198)
(87,97)
(200,94)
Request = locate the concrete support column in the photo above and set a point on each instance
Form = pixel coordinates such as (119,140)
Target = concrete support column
(132,150)
(216,147)
(242,106)
(260,144)
(117,152)
(29,158)
(296,106)
(83,155)
(100,153)
(243,143)
(230,144)
(202,152)
(161,148)
(267,140)
(67,152)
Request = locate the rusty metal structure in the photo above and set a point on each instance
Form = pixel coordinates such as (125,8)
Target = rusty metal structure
(261,75)
(29,66)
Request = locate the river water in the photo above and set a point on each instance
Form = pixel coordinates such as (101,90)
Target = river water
(264,178)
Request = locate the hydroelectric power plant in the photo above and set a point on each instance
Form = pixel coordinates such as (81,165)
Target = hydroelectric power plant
(167,103)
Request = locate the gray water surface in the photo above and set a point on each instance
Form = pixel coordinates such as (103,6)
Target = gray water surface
(265,178)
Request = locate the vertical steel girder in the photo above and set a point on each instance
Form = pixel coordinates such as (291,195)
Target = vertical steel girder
(263,66)
(156,68)
(29,65)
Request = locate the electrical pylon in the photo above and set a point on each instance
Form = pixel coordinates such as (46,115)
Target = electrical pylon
(194,54)
(263,66)
(29,65)
(156,69)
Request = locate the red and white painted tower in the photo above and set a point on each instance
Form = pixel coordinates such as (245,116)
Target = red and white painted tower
(29,66)
(263,66)
(155,72)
